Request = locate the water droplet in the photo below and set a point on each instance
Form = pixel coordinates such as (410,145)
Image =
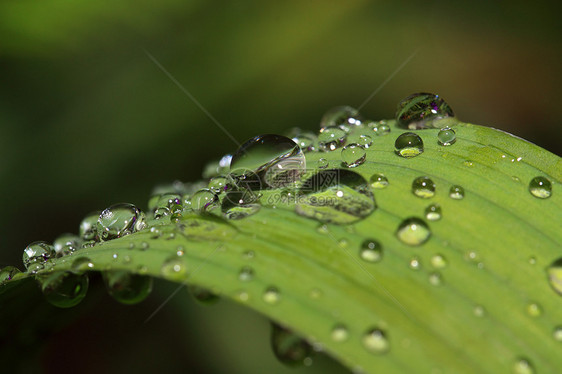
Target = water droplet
(275,160)
(238,204)
(166,205)
(64,289)
(88,226)
(174,268)
(37,253)
(554,272)
(203,200)
(66,244)
(363,140)
(379,128)
(540,187)
(344,117)
(415,263)
(479,311)
(378,181)
(337,195)
(375,341)
(408,145)
(246,274)
(423,187)
(446,136)
(435,279)
(413,231)
(203,295)
(119,220)
(340,333)
(289,348)
(371,251)
(557,333)
(423,110)
(438,261)
(456,192)
(127,288)
(271,295)
(323,163)
(433,212)
(249,255)
(534,310)
(331,138)
(81,265)
(306,141)
(353,155)
(523,366)
(7,273)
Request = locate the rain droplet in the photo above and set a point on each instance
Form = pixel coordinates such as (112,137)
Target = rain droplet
(217,184)
(371,251)
(7,273)
(246,274)
(88,226)
(323,163)
(203,295)
(446,136)
(415,263)
(423,110)
(378,181)
(379,128)
(540,187)
(375,341)
(331,138)
(433,212)
(413,231)
(166,205)
(554,272)
(408,145)
(435,279)
(81,265)
(438,261)
(289,348)
(306,141)
(37,253)
(271,295)
(203,200)
(363,140)
(64,289)
(342,116)
(238,204)
(127,288)
(353,155)
(66,244)
(337,195)
(423,187)
(557,333)
(523,366)
(479,311)
(174,268)
(339,333)
(456,192)
(119,220)
(534,310)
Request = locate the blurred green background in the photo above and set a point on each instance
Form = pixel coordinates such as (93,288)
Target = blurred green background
(88,120)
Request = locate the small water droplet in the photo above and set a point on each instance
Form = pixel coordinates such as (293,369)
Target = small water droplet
(322,163)
(435,279)
(331,138)
(378,181)
(289,348)
(37,253)
(271,295)
(119,220)
(557,333)
(423,110)
(446,136)
(66,244)
(336,195)
(64,289)
(81,265)
(203,200)
(408,145)
(456,192)
(523,366)
(174,268)
(371,251)
(413,231)
(534,310)
(468,163)
(380,128)
(167,205)
(415,263)
(433,212)
(203,295)
(217,184)
(540,187)
(88,226)
(126,287)
(248,255)
(353,155)
(344,117)
(532,260)
(479,311)
(423,187)
(246,274)
(554,273)
(438,261)
(306,141)
(239,204)
(339,333)
(7,273)
(375,341)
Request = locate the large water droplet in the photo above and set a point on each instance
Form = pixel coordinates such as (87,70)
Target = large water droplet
(239,204)
(353,155)
(540,187)
(423,187)
(289,348)
(371,251)
(422,111)
(446,136)
(554,273)
(331,138)
(88,226)
(64,289)
(174,268)
(126,287)
(375,341)
(433,212)
(340,333)
(344,117)
(456,192)
(523,366)
(7,273)
(413,231)
(336,195)
(378,181)
(408,145)
(276,160)
(81,265)
(36,254)
(203,200)
(66,244)
(119,220)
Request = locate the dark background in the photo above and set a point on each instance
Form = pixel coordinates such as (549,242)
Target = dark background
(88,120)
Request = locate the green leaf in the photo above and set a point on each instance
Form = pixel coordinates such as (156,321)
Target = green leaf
(474,298)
